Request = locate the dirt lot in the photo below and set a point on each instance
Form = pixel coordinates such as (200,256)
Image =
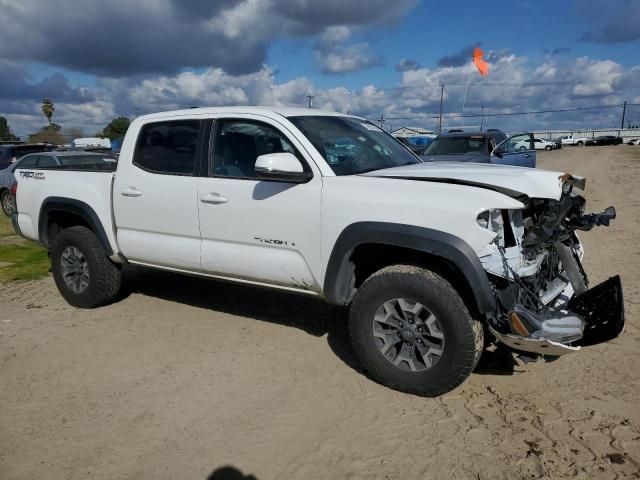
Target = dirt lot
(185,376)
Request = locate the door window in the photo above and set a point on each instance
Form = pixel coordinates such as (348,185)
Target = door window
(514,144)
(168,148)
(238,143)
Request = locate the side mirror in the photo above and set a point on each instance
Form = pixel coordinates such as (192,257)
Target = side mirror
(282,167)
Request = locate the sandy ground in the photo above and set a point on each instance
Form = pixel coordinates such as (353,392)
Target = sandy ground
(185,376)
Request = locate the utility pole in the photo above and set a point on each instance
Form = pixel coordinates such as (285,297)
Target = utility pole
(381,120)
(482,118)
(624,110)
(440,121)
(310,97)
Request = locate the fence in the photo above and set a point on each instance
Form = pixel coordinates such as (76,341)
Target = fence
(626,133)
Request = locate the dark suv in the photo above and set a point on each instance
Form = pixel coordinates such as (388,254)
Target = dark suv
(463,146)
(11,153)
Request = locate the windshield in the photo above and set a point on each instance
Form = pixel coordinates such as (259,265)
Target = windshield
(456,146)
(351,146)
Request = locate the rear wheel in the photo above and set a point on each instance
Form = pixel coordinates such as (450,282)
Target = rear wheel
(580,143)
(412,332)
(84,275)
(8,203)
(547,148)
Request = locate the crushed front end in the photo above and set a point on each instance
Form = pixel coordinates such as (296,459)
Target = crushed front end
(543,303)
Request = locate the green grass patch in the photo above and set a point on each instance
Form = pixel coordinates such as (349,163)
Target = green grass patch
(6,230)
(20,259)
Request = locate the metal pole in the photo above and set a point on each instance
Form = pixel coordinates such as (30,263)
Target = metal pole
(440,121)
(310,97)
(482,118)
(624,110)
(381,120)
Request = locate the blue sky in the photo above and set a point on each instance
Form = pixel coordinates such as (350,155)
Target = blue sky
(97,60)
(434,29)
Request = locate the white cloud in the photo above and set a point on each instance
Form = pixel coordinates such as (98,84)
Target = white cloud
(514,84)
(335,56)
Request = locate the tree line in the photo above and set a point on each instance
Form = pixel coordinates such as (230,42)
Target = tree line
(54,133)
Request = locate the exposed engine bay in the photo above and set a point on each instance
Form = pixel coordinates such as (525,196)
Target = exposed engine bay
(543,304)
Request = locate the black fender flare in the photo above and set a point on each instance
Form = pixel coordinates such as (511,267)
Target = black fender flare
(338,278)
(76,207)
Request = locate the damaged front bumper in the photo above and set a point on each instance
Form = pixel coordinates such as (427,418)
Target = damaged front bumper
(592,317)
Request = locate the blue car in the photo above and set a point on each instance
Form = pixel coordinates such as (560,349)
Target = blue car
(482,147)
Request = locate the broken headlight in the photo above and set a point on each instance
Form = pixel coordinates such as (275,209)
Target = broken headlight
(492,220)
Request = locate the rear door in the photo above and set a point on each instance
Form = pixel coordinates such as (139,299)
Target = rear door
(155,196)
(517,150)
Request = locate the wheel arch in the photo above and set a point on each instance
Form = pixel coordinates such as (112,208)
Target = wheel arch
(389,243)
(58,213)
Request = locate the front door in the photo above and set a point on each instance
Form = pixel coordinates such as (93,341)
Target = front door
(517,150)
(155,197)
(254,228)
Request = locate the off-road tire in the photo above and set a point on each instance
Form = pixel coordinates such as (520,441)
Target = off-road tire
(464,336)
(104,276)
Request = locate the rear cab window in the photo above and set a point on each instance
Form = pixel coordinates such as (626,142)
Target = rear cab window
(168,147)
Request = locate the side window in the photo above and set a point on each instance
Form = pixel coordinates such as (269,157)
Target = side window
(44,161)
(168,148)
(238,143)
(28,162)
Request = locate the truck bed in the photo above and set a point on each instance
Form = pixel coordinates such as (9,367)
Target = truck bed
(87,186)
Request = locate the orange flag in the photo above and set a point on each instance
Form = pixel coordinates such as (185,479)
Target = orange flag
(483,67)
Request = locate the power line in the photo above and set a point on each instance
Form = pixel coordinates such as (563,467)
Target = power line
(508,114)
(422,86)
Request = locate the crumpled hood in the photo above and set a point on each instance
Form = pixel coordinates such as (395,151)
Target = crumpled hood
(512,181)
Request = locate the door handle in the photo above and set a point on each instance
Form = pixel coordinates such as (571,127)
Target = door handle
(526,155)
(131,192)
(213,199)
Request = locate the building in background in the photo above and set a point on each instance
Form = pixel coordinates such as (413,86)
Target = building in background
(405,132)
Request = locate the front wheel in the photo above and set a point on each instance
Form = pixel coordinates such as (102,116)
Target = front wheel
(8,203)
(412,332)
(84,275)
(547,148)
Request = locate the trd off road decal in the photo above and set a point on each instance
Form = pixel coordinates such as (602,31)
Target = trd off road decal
(33,175)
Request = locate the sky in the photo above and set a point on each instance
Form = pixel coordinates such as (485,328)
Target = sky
(374,58)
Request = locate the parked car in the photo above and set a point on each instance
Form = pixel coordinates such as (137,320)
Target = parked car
(92,142)
(558,143)
(10,153)
(634,141)
(604,140)
(426,255)
(538,143)
(44,160)
(481,147)
(571,140)
(418,150)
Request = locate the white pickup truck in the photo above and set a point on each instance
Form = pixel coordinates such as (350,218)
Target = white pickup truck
(571,140)
(429,257)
